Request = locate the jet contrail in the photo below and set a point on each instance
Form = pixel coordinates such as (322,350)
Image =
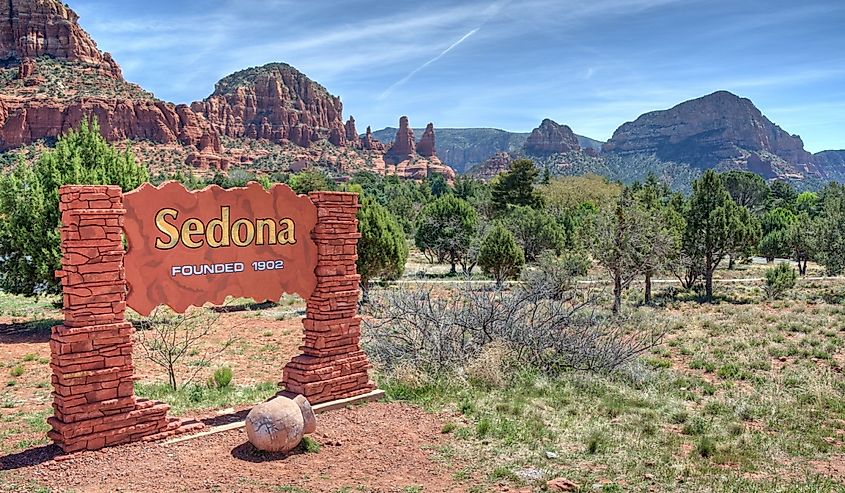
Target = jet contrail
(426,64)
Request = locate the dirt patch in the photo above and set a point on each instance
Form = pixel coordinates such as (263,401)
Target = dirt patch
(833,466)
(376,447)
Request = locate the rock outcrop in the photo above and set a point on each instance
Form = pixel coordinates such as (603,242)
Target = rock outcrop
(498,163)
(370,143)
(33,28)
(551,138)
(426,147)
(25,122)
(52,75)
(720,128)
(42,37)
(275,102)
(352,138)
(404,146)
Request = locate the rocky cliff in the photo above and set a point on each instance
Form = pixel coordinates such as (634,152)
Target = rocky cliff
(54,76)
(717,129)
(551,138)
(275,102)
(35,28)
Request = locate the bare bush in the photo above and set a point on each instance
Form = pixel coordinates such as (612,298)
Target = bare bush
(169,338)
(442,331)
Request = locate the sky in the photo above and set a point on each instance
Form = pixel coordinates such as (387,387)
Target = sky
(590,64)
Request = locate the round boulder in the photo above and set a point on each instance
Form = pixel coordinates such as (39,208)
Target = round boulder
(278,425)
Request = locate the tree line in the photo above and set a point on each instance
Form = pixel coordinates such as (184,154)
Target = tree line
(523,216)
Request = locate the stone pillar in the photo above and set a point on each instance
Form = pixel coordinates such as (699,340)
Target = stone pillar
(332,365)
(91,353)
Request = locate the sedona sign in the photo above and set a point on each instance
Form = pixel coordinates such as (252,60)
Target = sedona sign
(189,248)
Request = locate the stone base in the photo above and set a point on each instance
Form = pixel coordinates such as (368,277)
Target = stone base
(323,379)
(143,421)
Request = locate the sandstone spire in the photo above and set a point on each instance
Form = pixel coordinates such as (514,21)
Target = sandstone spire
(426,147)
(404,147)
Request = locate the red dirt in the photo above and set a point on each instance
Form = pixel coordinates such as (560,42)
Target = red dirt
(383,446)
(377,447)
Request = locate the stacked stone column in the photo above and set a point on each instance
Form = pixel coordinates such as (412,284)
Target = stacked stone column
(332,365)
(91,353)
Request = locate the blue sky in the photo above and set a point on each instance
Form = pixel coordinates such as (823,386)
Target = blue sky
(591,64)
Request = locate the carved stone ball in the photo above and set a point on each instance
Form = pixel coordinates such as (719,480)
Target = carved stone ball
(278,425)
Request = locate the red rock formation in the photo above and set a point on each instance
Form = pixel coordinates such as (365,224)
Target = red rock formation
(426,147)
(404,146)
(352,138)
(274,102)
(551,138)
(24,122)
(418,168)
(717,128)
(27,68)
(32,28)
(370,143)
(494,165)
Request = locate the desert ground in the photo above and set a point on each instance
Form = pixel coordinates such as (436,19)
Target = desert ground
(743,395)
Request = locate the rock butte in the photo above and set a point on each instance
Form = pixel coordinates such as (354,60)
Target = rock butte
(275,102)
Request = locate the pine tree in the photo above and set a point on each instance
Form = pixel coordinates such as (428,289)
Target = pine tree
(516,186)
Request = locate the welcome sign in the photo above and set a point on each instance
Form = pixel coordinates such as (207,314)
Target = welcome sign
(190,248)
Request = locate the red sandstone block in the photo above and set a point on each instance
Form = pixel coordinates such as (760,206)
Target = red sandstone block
(92,232)
(126,389)
(95,443)
(101,243)
(99,268)
(101,395)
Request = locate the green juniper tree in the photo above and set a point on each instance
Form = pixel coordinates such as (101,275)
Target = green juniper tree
(29,203)
(715,226)
(830,230)
(535,230)
(630,240)
(500,255)
(382,250)
(516,186)
(445,228)
(747,189)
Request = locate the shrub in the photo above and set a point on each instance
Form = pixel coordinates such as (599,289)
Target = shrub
(382,250)
(168,339)
(16,371)
(221,378)
(557,273)
(705,447)
(29,204)
(779,279)
(437,334)
(491,368)
(500,256)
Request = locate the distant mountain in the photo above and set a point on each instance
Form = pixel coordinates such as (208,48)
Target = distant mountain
(720,130)
(463,148)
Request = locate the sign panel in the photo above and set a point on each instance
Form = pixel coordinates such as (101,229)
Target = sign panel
(190,248)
